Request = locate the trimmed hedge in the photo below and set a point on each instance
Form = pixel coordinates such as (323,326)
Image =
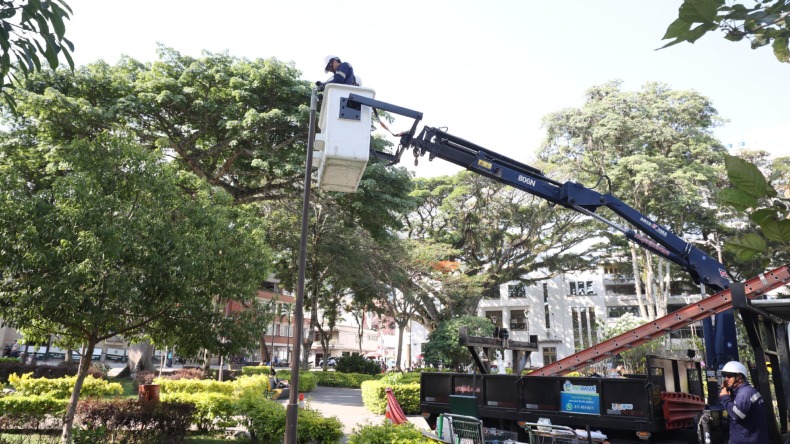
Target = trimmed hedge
(387,433)
(307,380)
(265,421)
(61,388)
(130,421)
(346,380)
(192,386)
(374,396)
(250,370)
(30,412)
(213,411)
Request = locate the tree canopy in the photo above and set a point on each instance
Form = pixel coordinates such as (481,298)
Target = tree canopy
(102,238)
(653,149)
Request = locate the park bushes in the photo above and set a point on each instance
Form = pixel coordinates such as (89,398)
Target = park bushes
(374,396)
(387,433)
(346,380)
(61,388)
(212,411)
(265,421)
(256,370)
(130,421)
(357,364)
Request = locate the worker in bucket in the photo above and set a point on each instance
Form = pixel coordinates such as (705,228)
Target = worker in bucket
(342,72)
(745,406)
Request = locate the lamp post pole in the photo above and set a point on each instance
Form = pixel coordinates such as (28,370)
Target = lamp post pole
(292,409)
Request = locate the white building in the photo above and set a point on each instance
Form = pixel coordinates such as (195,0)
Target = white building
(564,311)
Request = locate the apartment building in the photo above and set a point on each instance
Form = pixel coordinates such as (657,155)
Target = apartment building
(565,311)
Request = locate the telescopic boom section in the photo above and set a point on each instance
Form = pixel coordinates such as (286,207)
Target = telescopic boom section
(685,316)
(652,236)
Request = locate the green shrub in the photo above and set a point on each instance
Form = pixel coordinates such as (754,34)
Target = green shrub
(129,421)
(314,428)
(63,369)
(347,380)
(374,396)
(264,419)
(256,384)
(307,380)
(194,386)
(62,387)
(357,364)
(32,412)
(212,410)
(387,433)
(250,370)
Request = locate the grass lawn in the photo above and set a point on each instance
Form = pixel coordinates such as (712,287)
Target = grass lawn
(129,387)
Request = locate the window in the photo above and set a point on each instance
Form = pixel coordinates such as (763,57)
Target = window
(581,288)
(584,334)
(546,310)
(517,290)
(518,320)
(495,317)
(549,355)
(619,310)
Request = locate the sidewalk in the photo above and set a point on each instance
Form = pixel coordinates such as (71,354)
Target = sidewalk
(346,404)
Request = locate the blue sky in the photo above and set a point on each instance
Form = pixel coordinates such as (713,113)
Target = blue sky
(489,71)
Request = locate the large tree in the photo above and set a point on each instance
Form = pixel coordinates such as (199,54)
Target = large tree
(102,238)
(761,23)
(656,152)
(238,124)
(499,233)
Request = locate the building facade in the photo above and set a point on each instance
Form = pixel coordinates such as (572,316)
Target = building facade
(565,312)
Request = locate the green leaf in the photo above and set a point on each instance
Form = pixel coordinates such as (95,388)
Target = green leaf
(677,29)
(688,12)
(762,214)
(707,9)
(746,247)
(737,199)
(776,230)
(781,51)
(746,177)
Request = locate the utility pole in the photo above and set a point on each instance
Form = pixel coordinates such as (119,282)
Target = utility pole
(292,409)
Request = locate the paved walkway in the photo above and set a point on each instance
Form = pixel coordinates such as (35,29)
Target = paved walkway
(346,404)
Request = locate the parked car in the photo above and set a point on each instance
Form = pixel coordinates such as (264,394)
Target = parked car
(330,363)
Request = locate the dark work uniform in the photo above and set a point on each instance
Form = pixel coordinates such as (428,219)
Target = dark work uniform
(344,75)
(748,422)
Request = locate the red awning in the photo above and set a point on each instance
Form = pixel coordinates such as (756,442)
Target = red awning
(372,355)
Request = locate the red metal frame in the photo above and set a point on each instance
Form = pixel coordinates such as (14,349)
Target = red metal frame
(685,316)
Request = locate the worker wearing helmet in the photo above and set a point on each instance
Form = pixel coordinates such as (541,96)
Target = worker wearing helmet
(745,406)
(343,72)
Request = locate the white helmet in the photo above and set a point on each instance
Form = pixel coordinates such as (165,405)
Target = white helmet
(735,367)
(328,59)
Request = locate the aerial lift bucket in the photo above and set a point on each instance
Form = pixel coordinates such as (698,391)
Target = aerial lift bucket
(342,148)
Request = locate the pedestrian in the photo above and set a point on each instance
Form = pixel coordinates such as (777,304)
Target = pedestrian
(343,72)
(745,406)
(15,350)
(169,362)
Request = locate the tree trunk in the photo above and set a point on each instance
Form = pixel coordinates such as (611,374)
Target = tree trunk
(71,409)
(264,351)
(140,357)
(663,290)
(399,355)
(637,283)
(649,286)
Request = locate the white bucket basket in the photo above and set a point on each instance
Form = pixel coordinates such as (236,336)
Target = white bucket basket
(342,147)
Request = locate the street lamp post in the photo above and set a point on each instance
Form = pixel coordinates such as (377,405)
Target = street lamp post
(292,409)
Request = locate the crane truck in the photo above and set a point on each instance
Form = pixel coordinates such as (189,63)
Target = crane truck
(666,405)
